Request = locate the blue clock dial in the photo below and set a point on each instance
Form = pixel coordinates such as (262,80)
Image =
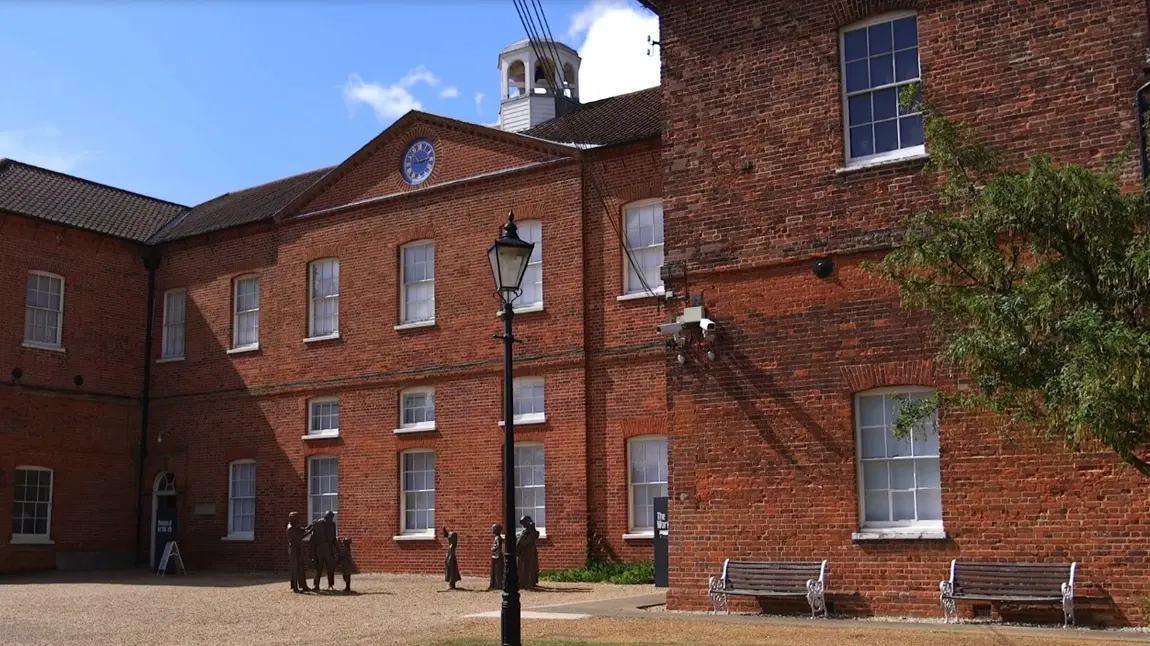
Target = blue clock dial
(418,161)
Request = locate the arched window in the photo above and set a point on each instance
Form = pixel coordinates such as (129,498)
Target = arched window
(899,479)
(516,79)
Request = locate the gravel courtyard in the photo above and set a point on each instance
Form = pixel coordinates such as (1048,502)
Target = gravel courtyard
(135,608)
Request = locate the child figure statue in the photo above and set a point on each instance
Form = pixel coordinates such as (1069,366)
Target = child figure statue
(496,581)
(345,563)
(451,564)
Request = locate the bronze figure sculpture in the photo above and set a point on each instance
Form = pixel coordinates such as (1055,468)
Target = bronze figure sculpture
(345,563)
(296,562)
(451,564)
(496,581)
(324,549)
(527,554)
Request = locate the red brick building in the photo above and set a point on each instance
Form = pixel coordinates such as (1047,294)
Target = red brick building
(782,144)
(325,342)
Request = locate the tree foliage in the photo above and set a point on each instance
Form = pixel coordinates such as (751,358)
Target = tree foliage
(1038,280)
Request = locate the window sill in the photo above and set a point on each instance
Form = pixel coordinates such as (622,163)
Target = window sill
(530,309)
(418,428)
(245,348)
(914,155)
(639,536)
(659,293)
(899,534)
(326,435)
(31,540)
(527,421)
(327,337)
(414,537)
(415,325)
(40,346)
(169,359)
(239,538)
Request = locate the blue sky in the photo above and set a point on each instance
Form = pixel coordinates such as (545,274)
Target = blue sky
(185,101)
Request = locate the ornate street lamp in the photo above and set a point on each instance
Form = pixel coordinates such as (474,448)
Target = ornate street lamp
(509,257)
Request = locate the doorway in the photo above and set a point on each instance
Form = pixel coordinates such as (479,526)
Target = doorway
(164,514)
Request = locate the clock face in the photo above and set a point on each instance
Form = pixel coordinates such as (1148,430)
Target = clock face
(418,161)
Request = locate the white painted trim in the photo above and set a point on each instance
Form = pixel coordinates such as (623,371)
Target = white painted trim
(418,426)
(403,322)
(312,513)
(542,295)
(241,537)
(236,313)
(425,536)
(320,436)
(59,344)
(631,486)
(658,293)
(329,337)
(899,534)
(327,432)
(428,534)
(904,155)
(155,504)
(527,420)
(639,536)
(40,346)
(627,291)
(525,310)
(22,539)
(46,537)
(170,360)
(231,482)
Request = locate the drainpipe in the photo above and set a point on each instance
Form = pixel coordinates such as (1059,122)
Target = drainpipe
(151,258)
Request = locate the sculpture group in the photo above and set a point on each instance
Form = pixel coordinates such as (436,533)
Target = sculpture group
(330,552)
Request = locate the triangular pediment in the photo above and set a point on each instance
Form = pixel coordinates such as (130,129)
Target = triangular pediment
(461,151)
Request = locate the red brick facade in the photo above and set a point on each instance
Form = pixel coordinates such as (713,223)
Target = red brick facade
(763,437)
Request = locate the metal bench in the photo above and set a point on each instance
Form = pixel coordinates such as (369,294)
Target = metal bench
(1010,582)
(770,579)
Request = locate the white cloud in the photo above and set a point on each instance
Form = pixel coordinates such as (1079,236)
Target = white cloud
(449,93)
(389,102)
(479,103)
(41,146)
(614,49)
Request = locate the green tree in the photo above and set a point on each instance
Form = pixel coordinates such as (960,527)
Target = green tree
(1038,281)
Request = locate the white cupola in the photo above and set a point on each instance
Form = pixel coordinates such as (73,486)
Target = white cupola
(528,98)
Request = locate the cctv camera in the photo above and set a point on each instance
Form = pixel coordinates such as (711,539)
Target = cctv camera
(707,325)
(669,328)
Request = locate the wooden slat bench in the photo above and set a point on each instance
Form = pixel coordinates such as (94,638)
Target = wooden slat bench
(771,579)
(1010,582)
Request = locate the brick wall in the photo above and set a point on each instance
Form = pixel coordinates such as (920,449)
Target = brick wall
(763,438)
(73,411)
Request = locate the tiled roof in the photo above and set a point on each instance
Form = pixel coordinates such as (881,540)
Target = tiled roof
(242,207)
(37,192)
(614,120)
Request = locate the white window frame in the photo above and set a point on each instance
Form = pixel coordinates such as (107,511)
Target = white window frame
(893,527)
(403,530)
(892,155)
(522,511)
(311,299)
(255,345)
(169,325)
(417,427)
(528,418)
(59,343)
(633,531)
(234,535)
(314,514)
(536,262)
(404,321)
(46,537)
(319,434)
(638,291)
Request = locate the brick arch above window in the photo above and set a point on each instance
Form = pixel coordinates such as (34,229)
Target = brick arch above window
(640,191)
(892,373)
(846,12)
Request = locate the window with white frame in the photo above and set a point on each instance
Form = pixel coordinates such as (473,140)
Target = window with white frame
(418,282)
(530,491)
(899,477)
(242,499)
(418,501)
(879,59)
(322,486)
(417,409)
(323,417)
(647,477)
(528,400)
(175,323)
(246,322)
(644,230)
(324,298)
(32,504)
(532,285)
(44,310)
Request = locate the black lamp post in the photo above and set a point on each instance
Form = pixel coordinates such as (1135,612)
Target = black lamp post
(509,257)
